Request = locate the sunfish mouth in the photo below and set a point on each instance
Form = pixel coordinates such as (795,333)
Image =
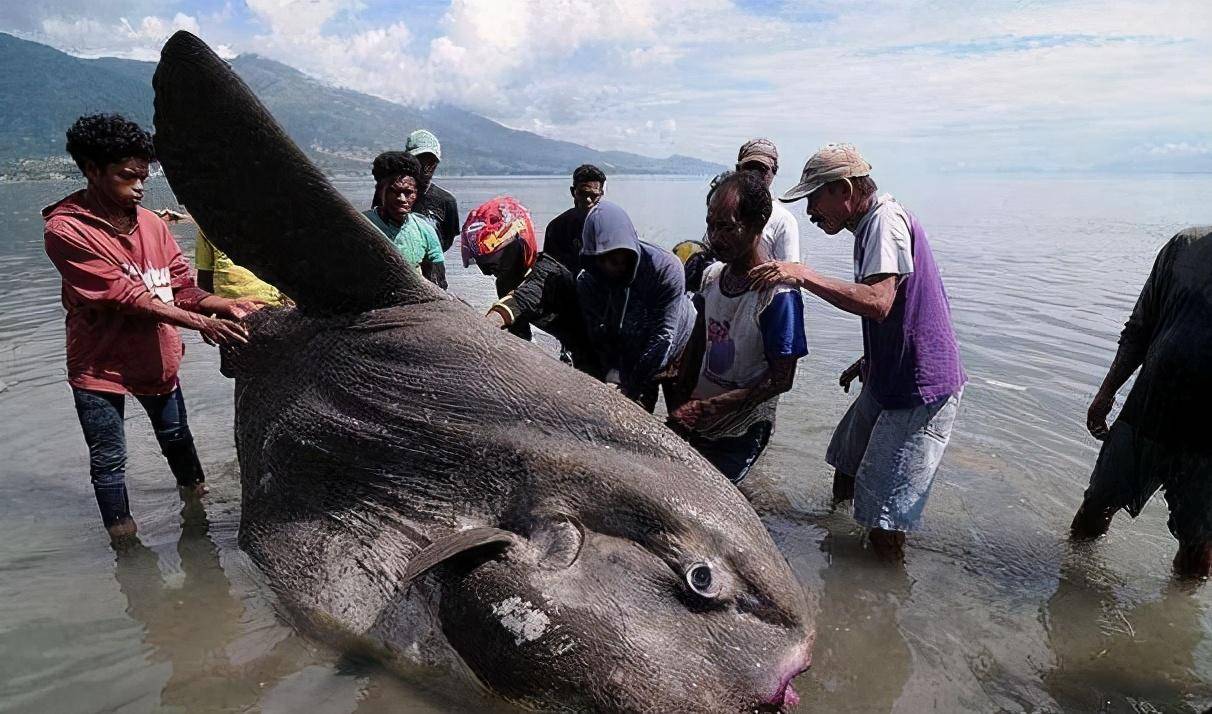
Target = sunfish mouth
(784,696)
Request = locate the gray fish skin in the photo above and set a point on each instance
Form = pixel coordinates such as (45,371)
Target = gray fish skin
(422,487)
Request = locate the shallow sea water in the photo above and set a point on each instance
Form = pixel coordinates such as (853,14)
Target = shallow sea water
(993,611)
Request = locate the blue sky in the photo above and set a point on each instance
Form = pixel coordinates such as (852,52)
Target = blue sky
(943,85)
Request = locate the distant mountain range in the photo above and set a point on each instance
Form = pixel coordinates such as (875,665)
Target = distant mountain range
(43,90)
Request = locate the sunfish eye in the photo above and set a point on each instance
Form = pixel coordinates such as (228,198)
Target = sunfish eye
(701,580)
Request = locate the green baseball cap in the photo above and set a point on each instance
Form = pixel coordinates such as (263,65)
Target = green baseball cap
(422,141)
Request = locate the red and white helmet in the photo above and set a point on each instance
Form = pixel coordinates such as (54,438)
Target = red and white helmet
(494,225)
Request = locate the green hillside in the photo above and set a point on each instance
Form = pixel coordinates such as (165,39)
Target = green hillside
(43,90)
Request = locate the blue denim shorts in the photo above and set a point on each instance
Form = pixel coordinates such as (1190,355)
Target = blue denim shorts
(893,455)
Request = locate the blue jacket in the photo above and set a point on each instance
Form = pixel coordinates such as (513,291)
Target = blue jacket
(641,324)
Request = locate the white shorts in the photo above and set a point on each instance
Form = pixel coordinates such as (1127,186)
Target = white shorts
(893,455)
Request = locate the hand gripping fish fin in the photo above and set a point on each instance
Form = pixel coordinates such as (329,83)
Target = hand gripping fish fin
(456,544)
(260,200)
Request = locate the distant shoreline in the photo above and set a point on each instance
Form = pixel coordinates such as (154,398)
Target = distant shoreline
(61,173)
(69,173)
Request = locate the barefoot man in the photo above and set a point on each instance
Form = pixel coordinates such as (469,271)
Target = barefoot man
(888,446)
(1160,439)
(126,289)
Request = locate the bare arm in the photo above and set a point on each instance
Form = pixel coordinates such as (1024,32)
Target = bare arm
(99,280)
(872,298)
(1134,344)
(1127,359)
(216,329)
(699,415)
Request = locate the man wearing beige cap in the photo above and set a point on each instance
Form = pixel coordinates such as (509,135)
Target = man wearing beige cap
(781,235)
(889,444)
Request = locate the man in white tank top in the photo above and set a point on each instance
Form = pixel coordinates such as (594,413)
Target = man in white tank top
(749,338)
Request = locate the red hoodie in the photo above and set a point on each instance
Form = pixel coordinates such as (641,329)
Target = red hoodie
(110,348)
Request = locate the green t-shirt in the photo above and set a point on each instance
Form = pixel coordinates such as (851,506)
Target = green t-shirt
(416,239)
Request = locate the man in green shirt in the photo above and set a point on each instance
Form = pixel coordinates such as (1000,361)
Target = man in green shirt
(396,175)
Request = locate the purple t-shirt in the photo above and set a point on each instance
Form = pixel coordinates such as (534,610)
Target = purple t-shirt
(912,356)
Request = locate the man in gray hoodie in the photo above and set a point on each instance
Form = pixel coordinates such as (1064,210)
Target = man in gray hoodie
(633,297)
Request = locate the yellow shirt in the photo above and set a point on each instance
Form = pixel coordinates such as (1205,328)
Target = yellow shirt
(232,281)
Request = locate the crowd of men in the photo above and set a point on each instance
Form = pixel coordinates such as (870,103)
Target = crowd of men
(717,325)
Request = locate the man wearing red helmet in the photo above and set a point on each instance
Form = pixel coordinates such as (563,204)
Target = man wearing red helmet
(534,288)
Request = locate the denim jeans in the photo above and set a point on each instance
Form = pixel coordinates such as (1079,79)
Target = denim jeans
(101,418)
(735,455)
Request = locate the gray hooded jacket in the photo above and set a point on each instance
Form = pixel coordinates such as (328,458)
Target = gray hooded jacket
(639,325)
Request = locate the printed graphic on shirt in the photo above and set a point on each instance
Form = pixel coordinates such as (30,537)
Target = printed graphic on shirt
(158,281)
(721,352)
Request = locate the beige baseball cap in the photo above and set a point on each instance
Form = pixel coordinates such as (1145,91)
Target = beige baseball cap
(762,151)
(832,162)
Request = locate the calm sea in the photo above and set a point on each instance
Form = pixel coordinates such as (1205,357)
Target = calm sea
(993,611)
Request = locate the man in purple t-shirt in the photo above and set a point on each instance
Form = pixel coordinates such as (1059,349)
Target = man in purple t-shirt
(888,446)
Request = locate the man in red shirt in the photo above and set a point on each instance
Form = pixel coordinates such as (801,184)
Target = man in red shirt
(127,289)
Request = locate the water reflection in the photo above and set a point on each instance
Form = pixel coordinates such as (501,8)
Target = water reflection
(861,659)
(1113,655)
(986,564)
(193,623)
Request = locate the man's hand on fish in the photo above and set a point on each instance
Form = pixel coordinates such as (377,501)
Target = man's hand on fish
(241,308)
(691,415)
(219,331)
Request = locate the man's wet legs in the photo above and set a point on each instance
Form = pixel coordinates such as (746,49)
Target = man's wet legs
(888,546)
(101,420)
(1092,520)
(1193,560)
(843,487)
(168,417)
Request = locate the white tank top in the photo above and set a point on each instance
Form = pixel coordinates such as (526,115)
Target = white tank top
(735,356)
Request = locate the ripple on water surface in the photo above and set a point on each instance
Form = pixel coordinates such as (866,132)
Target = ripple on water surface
(993,611)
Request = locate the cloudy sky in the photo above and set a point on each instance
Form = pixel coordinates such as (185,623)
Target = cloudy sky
(949,84)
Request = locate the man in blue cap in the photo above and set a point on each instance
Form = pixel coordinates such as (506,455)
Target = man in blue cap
(434,203)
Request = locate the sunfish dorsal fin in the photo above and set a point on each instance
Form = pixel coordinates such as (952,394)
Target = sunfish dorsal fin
(260,200)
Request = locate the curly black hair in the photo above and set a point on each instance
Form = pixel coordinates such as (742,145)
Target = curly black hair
(391,165)
(586,173)
(104,139)
(753,204)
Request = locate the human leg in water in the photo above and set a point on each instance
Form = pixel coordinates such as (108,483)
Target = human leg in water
(887,545)
(101,415)
(1193,560)
(1092,520)
(171,425)
(843,487)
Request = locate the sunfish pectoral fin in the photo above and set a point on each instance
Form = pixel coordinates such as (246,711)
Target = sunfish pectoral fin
(260,200)
(456,544)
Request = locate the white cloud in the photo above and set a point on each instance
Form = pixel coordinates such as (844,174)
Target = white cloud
(1181,148)
(1063,83)
(157,30)
(91,37)
(298,17)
